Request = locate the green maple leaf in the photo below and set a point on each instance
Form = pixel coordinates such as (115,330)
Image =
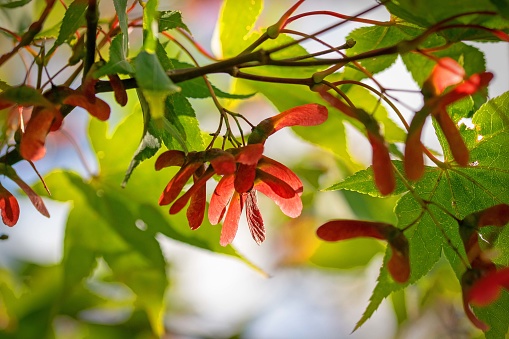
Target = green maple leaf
(235,23)
(456,191)
(117,64)
(470,58)
(171,20)
(426,13)
(375,37)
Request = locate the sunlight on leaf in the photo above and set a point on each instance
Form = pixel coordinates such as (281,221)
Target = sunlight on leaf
(236,20)
(453,189)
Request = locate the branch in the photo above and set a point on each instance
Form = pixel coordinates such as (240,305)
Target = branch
(259,57)
(92,17)
(29,36)
(262,78)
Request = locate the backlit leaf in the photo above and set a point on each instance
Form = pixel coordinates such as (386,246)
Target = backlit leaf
(427,13)
(185,134)
(74,18)
(180,130)
(117,64)
(142,194)
(469,57)
(370,38)
(170,20)
(150,143)
(125,248)
(363,181)
(150,26)
(106,221)
(153,82)
(195,88)
(452,189)
(236,20)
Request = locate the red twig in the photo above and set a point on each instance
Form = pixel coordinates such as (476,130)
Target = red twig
(340,16)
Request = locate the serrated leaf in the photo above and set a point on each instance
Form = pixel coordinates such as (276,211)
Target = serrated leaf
(363,182)
(180,116)
(163,56)
(50,33)
(74,18)
(117,64)
(374,37)
(149,144)
(425,237)
(236,20)
(150,75)
(172,133)
(471,58)
(170,20)
(495,316)
(460,191)
(153,82)
(148,147)
(120,9)
(427,13)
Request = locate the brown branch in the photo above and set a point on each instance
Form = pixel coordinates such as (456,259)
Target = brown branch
(92,17)
(180,75)
(29,36)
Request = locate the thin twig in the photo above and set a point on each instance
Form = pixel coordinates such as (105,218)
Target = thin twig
(33,30)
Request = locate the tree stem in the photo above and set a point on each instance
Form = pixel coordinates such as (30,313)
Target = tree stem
(92,16)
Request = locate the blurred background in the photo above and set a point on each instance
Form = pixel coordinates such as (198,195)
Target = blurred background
(307,288)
